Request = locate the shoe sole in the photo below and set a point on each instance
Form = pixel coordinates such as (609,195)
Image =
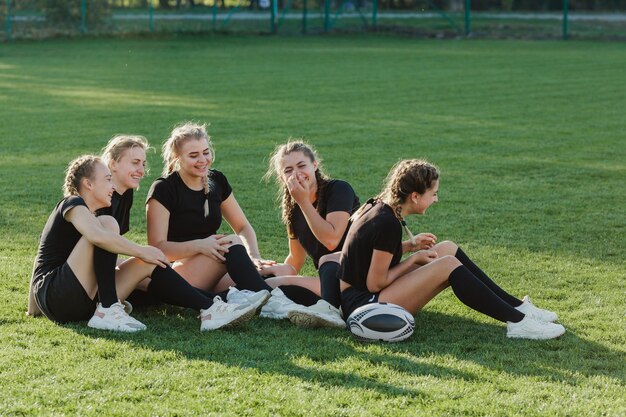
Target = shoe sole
(302,319)
(102,325)
(236,322)
(540,337)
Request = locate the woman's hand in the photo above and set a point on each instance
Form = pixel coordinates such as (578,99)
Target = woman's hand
(277,270)
(215,246)
(424,257)
(262,263)
(298,188)
(422,241)
(152,255)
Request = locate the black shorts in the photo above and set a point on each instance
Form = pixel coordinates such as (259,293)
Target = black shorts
(62,298)
(353,298)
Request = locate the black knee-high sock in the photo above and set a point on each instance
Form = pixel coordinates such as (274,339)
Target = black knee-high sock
(169,287)
(211,295)
(474,269)
(475,294)
(242,270)
(329,283)
(300,295)
(104,267)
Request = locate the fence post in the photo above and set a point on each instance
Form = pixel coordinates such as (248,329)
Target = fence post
(565,19)
(374,13)
(468,19)
(83,16)
(214,13)
(8,28)
(304,10)
(326,16)
(150,16)
(273,15)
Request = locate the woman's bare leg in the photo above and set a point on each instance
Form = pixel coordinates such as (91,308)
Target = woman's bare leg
(200,271)
(416,288)
(446,247)
(81,259)
(310,283)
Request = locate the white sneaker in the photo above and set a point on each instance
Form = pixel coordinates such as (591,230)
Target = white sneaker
(278,306)
(114,318)
(221,314)
(322,314)
(531,328)
(128,307)
(530,309)
(247,297)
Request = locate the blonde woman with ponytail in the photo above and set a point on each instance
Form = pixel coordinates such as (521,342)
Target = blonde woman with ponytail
(184,210)
(372,270)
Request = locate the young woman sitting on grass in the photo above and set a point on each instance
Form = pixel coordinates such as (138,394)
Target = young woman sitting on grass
(371,269)
(316,211)
(184,212)
(75,269)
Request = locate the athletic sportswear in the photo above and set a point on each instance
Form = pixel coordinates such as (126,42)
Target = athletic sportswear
(338,196)
(376,228)
(186,206)
(119,209)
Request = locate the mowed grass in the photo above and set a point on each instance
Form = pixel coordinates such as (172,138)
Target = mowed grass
(530,138)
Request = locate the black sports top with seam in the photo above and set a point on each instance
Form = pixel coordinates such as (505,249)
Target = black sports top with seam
(58,238)
(376,228)
(119,209)
(338,196)
(186,206)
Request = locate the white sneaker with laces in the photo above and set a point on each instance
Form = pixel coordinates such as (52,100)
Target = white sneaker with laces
(529,309)
(531,328)
(247,297)
(321,314)
(114,318)
(222,314)
(278,306)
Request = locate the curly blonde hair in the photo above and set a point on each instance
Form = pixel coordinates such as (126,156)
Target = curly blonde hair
(171,151)
(287,203)
(82,167)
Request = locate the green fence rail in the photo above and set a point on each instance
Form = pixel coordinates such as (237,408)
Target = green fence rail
(425,18)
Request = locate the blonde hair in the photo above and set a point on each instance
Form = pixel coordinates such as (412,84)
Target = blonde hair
(171,151)
(82,167)
(118,144)
(287,203)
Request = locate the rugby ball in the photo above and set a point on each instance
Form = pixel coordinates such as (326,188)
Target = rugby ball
(381,322)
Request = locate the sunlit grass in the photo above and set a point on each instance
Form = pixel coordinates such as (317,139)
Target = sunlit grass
(530,139)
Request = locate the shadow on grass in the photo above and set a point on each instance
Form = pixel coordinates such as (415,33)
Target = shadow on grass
(321,356)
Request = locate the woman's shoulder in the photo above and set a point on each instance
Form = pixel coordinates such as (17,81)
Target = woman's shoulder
(216,175)
(72,201)
(340,187)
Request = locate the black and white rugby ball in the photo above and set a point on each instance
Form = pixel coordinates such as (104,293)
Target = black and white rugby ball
(381,322)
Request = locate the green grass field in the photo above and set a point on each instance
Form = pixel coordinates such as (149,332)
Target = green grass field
(530,138)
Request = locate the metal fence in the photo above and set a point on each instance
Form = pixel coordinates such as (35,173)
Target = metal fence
(422,18)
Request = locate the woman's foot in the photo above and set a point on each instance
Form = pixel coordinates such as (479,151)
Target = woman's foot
(221,315)
(531,328)
(529,309)
(114,318)
(247,297)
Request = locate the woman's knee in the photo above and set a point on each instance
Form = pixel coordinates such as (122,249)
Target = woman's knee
(447,247)
(109,223)
(234,240)
(331,257)
(448,262)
